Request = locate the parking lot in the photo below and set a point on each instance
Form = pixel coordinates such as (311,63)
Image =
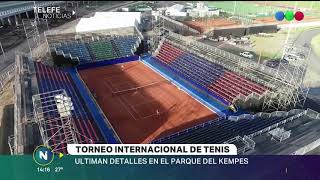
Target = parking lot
(229,48)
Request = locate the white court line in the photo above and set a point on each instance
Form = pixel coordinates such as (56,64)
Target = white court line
(108,84)
(126,107)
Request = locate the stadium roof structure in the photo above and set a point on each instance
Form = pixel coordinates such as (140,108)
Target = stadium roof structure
(108,20)
(176,7)
(297,137)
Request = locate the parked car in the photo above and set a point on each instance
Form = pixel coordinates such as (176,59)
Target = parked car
(244,38)
(289,57)
(232,43)
(272,63)
(301,55)
(215,40)
(246,54)
(284,61)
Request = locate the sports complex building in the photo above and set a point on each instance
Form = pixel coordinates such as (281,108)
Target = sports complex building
(97,85)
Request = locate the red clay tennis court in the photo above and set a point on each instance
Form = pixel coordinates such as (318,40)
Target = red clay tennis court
(140,104)
(204,25)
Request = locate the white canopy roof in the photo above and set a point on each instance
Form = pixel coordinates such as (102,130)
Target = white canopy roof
(108,20)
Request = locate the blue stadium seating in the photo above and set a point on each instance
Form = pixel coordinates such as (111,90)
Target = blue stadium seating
(220,131)
(124,45)
(99,50)
(213,77)
(50,79)
(76,49)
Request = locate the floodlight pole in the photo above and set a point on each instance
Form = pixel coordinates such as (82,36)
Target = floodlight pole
(260,56)
(295,5)
(311,6)
(36,16)
(289,30)
(4,56)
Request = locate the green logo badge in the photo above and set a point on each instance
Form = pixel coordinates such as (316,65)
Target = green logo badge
(43,155)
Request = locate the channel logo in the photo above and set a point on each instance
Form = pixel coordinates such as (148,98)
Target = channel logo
(53,13)
(289,15)
(43,155)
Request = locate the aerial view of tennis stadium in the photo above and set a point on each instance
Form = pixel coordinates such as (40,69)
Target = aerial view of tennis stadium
(160,72)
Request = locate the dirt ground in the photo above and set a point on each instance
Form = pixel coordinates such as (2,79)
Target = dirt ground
(205,25)
(140,104)
(6,118)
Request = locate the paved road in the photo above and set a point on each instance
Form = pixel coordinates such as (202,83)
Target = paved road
(314,61)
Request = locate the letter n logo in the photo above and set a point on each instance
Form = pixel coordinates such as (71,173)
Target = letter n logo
(43,155)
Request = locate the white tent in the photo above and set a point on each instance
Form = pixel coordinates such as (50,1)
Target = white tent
(176,10)
(108,20)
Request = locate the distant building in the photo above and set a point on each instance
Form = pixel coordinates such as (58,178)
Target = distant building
(125,9)
(176,10)
(201,10)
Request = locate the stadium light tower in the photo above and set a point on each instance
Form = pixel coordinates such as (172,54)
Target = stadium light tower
(289,31)
(158,30)
(36,15)
(311,5)
(53,114)
(32,34)
(31,28)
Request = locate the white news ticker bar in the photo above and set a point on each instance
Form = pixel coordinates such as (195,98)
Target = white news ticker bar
(133,149)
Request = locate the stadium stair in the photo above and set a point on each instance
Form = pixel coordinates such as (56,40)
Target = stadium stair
(97,49)
(252,100)
(73,50)
(217,80)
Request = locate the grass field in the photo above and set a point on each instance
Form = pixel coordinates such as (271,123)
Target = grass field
(262,8)
(237,6)
(312,78)
(313,5)
(271,47)
(243,8)
(315,43)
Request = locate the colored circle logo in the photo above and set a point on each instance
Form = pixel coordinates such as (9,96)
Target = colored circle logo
(289,15)
(43,155)
(299,16)
(279,15)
